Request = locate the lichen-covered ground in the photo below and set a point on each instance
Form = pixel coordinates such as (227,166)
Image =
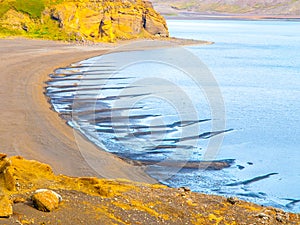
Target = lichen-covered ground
(99,201)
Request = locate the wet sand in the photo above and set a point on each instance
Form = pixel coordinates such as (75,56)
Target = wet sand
(28,126)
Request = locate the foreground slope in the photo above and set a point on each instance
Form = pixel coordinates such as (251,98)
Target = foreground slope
(98,201)
(100,20)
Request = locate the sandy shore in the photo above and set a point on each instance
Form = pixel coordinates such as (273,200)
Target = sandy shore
(27,125)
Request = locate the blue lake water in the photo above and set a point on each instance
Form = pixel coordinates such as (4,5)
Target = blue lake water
(256,66)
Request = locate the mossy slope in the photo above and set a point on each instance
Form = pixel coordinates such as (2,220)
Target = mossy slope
(81,20)
(124,202)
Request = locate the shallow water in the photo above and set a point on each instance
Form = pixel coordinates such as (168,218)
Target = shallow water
(131,112)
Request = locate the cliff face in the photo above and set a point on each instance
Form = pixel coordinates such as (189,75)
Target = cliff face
(96,20)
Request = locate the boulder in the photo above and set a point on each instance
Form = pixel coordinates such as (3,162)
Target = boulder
(10,182)
(2,156)
(4,163)
(154,26)
(6,209)
(46,200)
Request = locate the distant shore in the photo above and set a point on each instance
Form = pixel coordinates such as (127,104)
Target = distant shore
(199,16)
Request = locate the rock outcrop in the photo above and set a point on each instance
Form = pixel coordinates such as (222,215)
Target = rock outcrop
(46,200)
(90,200)
(6,209)
(94,20)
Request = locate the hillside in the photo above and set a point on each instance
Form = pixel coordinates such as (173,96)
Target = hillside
(275,8)
(81,20)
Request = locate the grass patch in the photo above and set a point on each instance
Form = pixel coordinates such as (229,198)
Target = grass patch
(33,8)
(4,8)
(50,30)
(5,32)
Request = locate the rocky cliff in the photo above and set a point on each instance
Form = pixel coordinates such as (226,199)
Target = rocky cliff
(95,20)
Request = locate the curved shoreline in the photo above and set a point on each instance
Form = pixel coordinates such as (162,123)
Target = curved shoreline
(29,128)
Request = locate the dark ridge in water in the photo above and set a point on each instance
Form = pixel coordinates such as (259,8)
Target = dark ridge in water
(252,195)
(143,133)
(122,118)
(292,203)
(173,125)
(246,182)
(206,165)
(240,167)
(79,83)
(186,123)
(90,65)
(78,75)
(205,135)
(77,90)
(97,69)
(107,110)
(110,98)
(169,147)
(77,79)
(132,117)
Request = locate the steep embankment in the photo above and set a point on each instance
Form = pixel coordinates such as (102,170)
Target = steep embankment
(99,201)
(94,20)
(275,8)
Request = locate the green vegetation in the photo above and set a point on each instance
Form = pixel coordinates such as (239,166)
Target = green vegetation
(4,8)
(49,30)
(5,32)
(80,20)
(33,27)
(34,8)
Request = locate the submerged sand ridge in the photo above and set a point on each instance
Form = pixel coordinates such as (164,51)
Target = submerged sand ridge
(29,128)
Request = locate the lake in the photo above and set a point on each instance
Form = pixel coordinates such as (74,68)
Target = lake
(146,106)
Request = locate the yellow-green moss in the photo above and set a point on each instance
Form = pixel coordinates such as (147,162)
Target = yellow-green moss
(83,20)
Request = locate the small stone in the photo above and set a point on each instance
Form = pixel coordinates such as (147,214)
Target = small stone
(19,200)
(6,209)
(4,162)
(2,156)
(232,200)
(9,179)
(46,200)
(184,189)
(279,218)
(262,216)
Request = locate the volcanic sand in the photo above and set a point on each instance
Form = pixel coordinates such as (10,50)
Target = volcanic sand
(28,126)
